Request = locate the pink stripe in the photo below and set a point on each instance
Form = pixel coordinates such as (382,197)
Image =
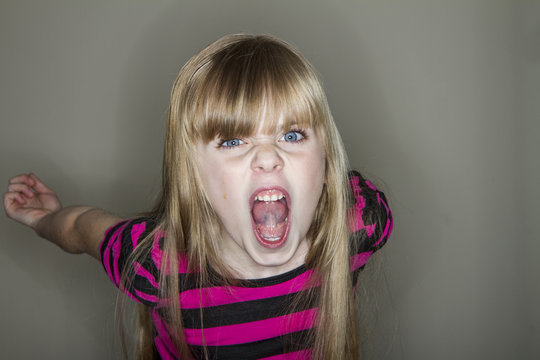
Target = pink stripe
(370,229)
(214,296)
(354,180)
(297,355)
(163,334)
(162,350)
(385,232)
(105,236)
(183,264)
(357,190)
(360,260)
(157,255)
(360,202)
(140,270)
(371,186)
(131,296)
(252,331)
(389,221)
(136,232)
(117,250)
(145,296)
(106,255)
(105,260)
(356,223)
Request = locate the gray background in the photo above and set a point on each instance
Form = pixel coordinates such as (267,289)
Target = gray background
(437,98)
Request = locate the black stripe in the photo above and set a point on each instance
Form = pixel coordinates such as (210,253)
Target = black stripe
(274,280)
(142,284)
(190,281)
(106,244)
(107,238)
(258,349)
(247,311)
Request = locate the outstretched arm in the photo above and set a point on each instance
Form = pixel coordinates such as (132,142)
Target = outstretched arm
(76,229)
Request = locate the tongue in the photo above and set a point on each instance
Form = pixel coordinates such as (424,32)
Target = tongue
(270,218)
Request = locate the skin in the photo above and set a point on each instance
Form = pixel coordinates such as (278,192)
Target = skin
(233,171)
(76,229)
(230,176)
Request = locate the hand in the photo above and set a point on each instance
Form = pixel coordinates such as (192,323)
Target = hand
(28,200)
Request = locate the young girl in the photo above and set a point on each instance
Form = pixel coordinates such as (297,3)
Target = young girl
(255,246)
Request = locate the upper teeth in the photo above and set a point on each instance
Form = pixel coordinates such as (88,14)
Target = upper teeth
(273,197)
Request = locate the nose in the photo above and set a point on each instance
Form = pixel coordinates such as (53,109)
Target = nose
(266,159)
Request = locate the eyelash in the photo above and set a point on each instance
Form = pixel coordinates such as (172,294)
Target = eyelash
(299,131)
(221,143)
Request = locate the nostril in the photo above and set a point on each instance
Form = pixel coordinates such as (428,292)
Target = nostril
(266,168)
(267,158)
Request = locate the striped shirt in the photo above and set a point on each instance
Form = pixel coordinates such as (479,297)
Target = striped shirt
(251,320)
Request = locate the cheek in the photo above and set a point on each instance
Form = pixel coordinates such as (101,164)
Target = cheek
(316,167)
(220,186)
(224,191)
(317,178)
(216,188)
(313,171)
(210,178)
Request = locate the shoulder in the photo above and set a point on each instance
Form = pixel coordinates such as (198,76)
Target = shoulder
(370,218)
(133,266)
(127,234)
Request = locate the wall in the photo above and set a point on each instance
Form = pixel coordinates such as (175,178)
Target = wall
(436,100)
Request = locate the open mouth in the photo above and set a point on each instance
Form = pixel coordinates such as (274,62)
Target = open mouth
(270,216)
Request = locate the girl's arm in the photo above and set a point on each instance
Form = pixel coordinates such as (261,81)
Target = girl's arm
(77,229)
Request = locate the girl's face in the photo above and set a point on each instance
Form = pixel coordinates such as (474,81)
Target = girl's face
(265,189)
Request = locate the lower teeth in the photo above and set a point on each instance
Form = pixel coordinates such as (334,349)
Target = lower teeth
(270,232)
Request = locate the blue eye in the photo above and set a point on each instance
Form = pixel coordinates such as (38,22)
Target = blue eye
(231,143)
(293,136)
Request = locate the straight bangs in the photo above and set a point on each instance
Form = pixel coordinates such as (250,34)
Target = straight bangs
(256,84)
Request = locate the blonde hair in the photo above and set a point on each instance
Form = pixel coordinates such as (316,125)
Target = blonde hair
(224,90)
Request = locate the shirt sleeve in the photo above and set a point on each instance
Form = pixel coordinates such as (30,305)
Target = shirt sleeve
(369,219)
(140,280)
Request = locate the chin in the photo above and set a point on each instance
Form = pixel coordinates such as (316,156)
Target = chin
(285,254)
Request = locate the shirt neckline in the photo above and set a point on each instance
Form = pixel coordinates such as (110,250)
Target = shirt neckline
(274,279)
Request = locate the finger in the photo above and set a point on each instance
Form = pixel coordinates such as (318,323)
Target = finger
(16,196)
(23,178)
(20,199)
(39,186)
(10,198)
(21,188)
(14,209)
